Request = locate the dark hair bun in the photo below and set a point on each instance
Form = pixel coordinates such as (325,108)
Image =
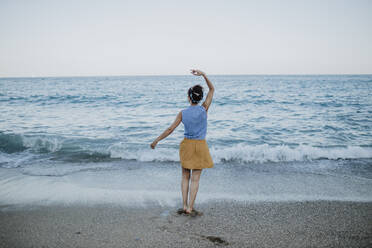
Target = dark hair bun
(196,93)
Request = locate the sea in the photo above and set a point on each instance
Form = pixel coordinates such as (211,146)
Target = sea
(86,140)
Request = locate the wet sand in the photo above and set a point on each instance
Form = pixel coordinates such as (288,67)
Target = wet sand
(226,224)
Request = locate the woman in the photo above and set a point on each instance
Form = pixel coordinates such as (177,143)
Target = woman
(194,152)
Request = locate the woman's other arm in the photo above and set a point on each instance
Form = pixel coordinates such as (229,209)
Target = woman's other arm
(208,99)
(168,131)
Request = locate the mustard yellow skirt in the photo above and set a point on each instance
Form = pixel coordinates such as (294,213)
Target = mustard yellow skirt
(194,154)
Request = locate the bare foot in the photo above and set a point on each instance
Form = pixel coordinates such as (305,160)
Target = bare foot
(182,210)
(188,210)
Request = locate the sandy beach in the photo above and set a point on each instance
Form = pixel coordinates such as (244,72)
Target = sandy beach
(230,224)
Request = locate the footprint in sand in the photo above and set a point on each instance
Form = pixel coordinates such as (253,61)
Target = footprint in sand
(216,240)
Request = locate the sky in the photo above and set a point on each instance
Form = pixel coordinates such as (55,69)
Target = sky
(88,38)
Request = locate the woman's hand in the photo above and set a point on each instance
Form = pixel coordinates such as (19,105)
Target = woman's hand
(197,72)
(153,144)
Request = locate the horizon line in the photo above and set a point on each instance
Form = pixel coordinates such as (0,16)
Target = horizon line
(160,75)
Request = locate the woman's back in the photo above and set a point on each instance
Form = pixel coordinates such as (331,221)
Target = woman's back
(194,118)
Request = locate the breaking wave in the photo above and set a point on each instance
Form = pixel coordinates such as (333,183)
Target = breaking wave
(76,150)
(11,143)
(247,154)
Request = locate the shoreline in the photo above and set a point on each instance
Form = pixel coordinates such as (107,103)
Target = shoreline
(223,223)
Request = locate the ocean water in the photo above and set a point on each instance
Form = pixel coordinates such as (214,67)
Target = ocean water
(72,140)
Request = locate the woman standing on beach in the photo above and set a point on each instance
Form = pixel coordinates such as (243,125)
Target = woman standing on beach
(194,151)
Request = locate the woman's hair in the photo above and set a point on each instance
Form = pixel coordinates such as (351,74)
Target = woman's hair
(195,93)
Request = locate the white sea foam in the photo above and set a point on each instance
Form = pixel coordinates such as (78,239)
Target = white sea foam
(266,153)
(37,143)
(14,160)
(247,153)
(121,150)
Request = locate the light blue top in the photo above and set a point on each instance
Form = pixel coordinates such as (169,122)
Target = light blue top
(194,118)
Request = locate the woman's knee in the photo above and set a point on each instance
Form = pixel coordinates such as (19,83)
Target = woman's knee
(185,173)
(195,177)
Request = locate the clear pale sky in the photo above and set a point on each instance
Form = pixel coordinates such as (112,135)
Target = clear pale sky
(82,38)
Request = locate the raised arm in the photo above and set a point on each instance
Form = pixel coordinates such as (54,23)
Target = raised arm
(168,131)
(208,99)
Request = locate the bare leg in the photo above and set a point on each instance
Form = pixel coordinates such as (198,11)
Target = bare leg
(195,177)
(185,186)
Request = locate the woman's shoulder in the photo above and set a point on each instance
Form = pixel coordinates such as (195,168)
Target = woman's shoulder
(185,109)
(202,108)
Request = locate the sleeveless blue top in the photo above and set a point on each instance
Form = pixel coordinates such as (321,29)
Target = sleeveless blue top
(194,118)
